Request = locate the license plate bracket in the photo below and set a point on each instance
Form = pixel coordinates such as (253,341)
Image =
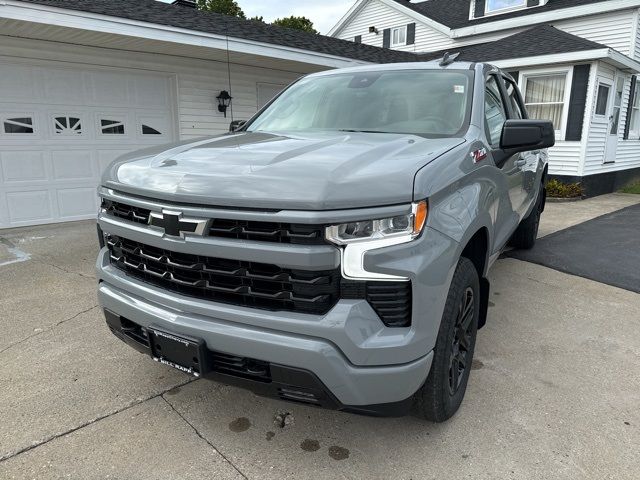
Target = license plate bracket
(181,352)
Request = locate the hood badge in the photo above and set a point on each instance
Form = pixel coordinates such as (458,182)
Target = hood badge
(175,225)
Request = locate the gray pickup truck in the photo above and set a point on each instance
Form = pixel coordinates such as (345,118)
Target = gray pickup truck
(332,251)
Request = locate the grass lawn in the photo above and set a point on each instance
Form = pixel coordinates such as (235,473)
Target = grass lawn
(633,188)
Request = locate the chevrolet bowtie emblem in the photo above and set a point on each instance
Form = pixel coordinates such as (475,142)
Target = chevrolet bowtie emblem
(175,225)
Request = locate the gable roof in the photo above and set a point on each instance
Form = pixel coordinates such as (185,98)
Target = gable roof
(536,41)
(152,11)
(455,13)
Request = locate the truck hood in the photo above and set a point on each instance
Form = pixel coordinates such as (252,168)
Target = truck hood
(310,171)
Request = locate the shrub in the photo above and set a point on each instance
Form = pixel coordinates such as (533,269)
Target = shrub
(557,189)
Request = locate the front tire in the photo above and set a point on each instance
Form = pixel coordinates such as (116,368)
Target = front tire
(441,395)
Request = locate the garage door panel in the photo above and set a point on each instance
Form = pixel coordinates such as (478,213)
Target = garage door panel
(23,166)
(76,202)
(19,82)
(81,119)
(64,86)
(149,90)
(73,165)
(109,89)
(27,206)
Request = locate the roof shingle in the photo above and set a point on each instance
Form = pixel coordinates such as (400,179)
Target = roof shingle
(161,13)
(540,40)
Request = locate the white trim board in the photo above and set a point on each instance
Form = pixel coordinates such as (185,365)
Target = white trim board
(41,14)
(607,54)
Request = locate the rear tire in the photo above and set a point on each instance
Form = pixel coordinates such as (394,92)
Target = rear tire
(441,395)
(527,232)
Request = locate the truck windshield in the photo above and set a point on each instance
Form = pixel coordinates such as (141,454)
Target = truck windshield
(431,103)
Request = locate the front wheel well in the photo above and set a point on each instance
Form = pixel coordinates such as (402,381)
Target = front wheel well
(476,250)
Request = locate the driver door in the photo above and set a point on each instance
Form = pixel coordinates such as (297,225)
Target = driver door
(495,115)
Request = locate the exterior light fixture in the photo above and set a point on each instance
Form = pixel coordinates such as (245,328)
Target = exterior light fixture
(224,100)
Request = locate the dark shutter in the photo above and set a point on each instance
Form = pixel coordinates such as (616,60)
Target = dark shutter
(515,74)
(411,34)
(577,102)
(358,39)
(627,122)
(386,38)
(479,10)
(533,3)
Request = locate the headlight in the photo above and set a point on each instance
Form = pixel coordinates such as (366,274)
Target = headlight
(357,238)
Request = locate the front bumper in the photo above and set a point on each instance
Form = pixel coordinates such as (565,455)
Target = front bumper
(348,350)
(345,385)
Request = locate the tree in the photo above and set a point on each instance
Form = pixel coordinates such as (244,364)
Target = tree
(225,7)
(298,23)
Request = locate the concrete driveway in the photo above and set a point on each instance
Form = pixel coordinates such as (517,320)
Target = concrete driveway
(555,390)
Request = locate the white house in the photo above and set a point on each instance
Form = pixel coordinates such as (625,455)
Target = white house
(575,60)
(83,81)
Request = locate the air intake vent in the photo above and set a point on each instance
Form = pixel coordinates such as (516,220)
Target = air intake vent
(390,300)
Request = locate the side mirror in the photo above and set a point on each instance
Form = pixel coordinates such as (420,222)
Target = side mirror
(523,135)
(236,125)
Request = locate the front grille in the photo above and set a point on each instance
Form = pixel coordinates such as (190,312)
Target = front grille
(126,212)
(390,300)
(236,282)
(266,231)
(238,229)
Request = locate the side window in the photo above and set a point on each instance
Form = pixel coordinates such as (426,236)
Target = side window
(494,111)
(514,100)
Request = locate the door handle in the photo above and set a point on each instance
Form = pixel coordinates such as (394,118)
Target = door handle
(521,162)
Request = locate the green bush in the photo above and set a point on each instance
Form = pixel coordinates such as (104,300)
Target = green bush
(631,188)
(557,189)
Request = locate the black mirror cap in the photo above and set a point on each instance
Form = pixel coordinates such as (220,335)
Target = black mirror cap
(236,125)
(523,135)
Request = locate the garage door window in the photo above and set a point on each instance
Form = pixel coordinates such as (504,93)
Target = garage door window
(18,125)
(67,126)
(111,127)
(147,130)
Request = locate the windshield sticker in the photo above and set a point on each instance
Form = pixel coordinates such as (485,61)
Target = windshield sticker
(458,89)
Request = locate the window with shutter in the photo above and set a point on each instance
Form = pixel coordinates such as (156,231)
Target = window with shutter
(544,97)
(634,111)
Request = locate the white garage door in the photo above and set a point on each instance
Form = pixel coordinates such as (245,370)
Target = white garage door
(60,126)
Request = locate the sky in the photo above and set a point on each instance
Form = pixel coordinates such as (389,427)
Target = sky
(323,13)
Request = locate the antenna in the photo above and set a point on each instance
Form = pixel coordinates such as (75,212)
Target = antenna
(228,64)
(449,58)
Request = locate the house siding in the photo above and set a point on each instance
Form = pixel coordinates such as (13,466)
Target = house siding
(613,29)
(197,81)
(376,14)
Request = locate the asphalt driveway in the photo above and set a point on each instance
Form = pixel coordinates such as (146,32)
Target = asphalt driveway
(554,392)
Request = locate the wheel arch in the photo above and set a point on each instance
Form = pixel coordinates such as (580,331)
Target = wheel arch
(477,250)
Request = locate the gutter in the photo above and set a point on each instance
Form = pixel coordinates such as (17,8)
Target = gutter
(80,20)
(608,55)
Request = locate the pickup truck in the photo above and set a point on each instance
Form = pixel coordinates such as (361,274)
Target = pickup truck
(334,249)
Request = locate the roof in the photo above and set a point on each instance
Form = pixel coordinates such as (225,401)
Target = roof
(455,13)
(152,11)
(536,41)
